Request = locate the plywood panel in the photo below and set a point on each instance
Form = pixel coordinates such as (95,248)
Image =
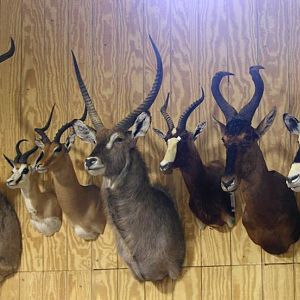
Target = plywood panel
(278,282)
(247,282)
(54,286)
(128,287)
(79,285)
(104,285)
(297,280)
(31,285)
(162,290)
(104,81)
(216,283)
(189,286)
(10,288)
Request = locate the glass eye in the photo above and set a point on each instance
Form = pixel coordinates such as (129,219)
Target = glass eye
(118,140)
(25,171)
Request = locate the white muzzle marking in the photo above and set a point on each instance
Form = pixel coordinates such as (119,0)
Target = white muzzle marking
(294,172)
(171,152)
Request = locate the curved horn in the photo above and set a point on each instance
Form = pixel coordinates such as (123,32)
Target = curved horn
(18,151)
(184,117)
(128,121)
(9,53)
(166,116)
(68,125)
(228,111)
(41,131)
(24,157)
(247,112)
(96,120)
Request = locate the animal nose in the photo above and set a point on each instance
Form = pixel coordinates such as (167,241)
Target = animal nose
(90,161)
(9,182)
(228,183)
(293,179)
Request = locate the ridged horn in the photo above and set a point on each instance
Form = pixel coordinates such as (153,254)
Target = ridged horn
(184,117)
(166,116)
(41,131)
(247,112)
(68,125)
(18,151)
(228,111)
(24,157)
(96,120)
(9,53)
(128,121)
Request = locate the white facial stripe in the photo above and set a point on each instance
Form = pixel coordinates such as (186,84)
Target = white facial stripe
(171,151)
(17,173)
(113,137)
(174,130)
(295,170)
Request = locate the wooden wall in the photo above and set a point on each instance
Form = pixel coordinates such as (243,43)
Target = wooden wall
(110,38)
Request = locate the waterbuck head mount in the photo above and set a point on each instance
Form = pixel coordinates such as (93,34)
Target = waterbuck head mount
(179,138)
(238,136)
(113,145)
(293,179)
(53,151)
(21,168)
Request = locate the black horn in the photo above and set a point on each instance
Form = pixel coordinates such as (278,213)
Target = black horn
(96,120)
(247,112)
(184,117)
(166,116)
(68,125)
(128,121)
(228,111)
(41,131)
(18,151)
(9,53)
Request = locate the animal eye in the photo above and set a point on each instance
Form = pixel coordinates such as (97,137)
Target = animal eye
(25,171)
(118,140)
(58,148)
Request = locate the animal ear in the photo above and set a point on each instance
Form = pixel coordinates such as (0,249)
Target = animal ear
(39,143)
(291,123)
(70,141)
(219,124)
(85,132)
(141,125)
(159,133)
(266,123)
(200,127)
(10,161)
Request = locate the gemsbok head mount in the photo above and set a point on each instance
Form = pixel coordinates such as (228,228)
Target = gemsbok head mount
(270,215)
(293,178)
(208,202)
(133,204)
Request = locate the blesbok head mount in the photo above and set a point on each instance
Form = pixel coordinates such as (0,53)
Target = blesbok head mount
(293,178)
(53,151)
(178,138)
(238,134)
(113,145)
(21,168)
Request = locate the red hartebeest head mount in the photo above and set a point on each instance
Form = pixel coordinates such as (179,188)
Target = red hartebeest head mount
(238,135)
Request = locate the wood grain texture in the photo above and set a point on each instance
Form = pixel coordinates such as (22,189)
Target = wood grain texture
(54,286)
(31,285)
(160,290)
(10,289)
(104,285)
(79,285)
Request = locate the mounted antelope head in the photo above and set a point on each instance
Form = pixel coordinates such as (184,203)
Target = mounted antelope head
(270,216)
(293,179)
(208,202)
(45,212)
(133,204)
(10,231)
(81,204)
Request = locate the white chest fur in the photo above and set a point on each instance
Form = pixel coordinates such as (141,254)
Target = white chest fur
(28,203)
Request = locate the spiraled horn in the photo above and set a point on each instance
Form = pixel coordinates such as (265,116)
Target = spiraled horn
(184,117)
(228,111)
(128,121)
(166,116)
(96,120)
(41,131)
(68,125)
(9,53)
(247,112)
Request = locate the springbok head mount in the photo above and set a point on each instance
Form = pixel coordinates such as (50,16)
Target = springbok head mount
(238,135)
(9,53)
(21,169)
(113,145)
(293,179)
(53,151)
(177,139)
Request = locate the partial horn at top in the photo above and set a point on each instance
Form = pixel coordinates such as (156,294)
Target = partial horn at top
(18,151)
(228,111)
(247,112)
(96,120)
(9,53)
(184,117)
(166,116)
(128,121)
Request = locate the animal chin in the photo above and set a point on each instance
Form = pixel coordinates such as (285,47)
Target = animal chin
(96,171)
(11,185)
(166,169)
(42,170)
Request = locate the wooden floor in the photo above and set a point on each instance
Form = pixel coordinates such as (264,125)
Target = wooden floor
(196,39)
